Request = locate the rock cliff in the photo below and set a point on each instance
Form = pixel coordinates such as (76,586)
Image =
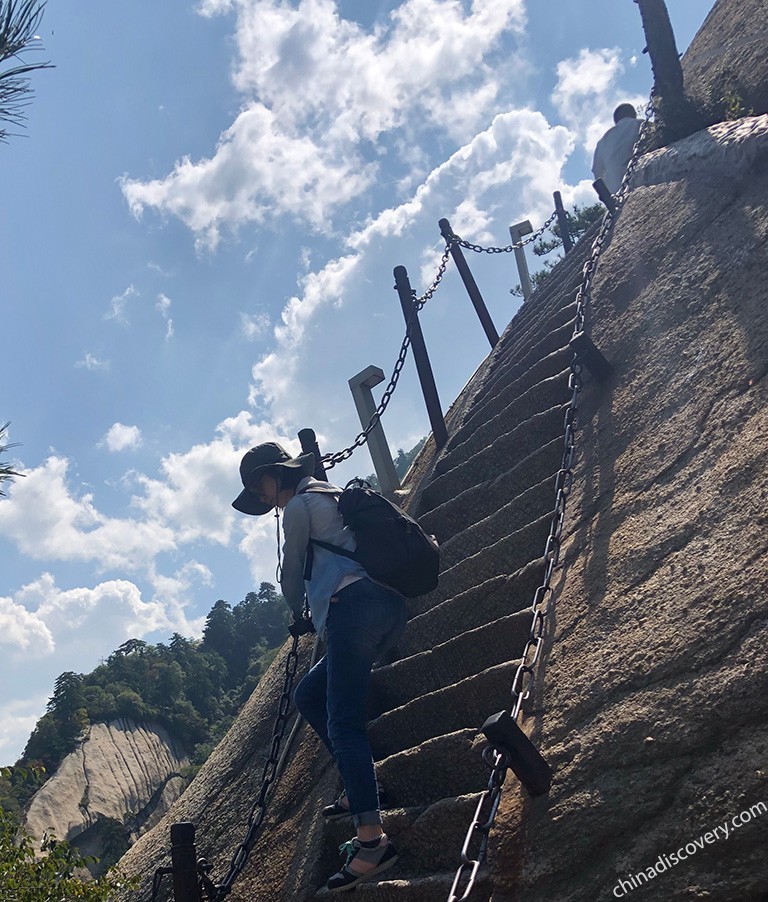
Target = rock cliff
(121,772)
(726,66)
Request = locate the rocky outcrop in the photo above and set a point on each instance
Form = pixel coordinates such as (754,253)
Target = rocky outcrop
(726,66)
(655,697)
(120,772)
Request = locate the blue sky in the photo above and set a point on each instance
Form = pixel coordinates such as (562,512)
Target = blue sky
(198,233)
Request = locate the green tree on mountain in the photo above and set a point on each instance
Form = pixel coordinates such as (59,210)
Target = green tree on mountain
(193,688)
(26,876)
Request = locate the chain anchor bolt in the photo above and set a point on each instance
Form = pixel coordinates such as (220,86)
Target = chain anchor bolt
(592,358)
(521,754)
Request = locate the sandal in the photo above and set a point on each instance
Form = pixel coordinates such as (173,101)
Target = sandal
(383,856)
(337,810)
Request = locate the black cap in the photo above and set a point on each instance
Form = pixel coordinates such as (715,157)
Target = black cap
(256,463)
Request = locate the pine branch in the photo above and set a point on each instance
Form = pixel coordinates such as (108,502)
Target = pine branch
(19,21)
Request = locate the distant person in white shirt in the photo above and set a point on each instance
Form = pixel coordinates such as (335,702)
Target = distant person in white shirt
(614,149)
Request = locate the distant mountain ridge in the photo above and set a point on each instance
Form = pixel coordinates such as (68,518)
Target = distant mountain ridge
(118,745)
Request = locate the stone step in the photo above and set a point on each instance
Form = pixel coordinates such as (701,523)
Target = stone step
(544,395)
(518,377)
(515,365)
(461,511)
(433,842)
(429,839)
(463,705)
(504,557)
(432,888)
(545,366)
(445,766)
(464,655)
(501,455)
(523,509)
(480,604)
(565,271)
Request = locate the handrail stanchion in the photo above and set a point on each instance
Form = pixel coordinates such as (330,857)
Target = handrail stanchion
(309,445)
(562,221)
(469,283)
(423,366)
(360,386)
(184,863)
(516,233)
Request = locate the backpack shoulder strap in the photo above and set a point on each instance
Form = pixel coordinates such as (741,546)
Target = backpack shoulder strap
(333,492)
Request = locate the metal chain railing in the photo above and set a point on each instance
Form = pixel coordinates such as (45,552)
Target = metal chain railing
(259,808)
(479,249)
(525,676)
(216,892)
(330,460)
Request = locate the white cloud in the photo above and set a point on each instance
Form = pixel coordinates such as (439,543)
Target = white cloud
(275,374)
(193,496)
(17,720)
(90,362)
(21,630)
(116,605)
(156,267)
(119,437)
(118,304)
(254,325)
(587,92)
(163,305)
(47,521)
(505,173)
(256,170)
(42,619)
(319,92)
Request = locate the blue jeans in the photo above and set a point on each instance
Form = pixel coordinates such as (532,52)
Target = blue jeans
(362,624)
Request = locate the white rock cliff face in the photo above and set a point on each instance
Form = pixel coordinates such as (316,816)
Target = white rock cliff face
(120,770)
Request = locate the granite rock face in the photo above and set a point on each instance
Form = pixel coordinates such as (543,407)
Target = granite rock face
(654,709)
(726,66)
(120,771)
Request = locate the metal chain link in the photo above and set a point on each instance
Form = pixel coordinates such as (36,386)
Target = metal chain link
(330,460)
(422,299)
(259,808)
(525,675)
(479,249)
(217,892)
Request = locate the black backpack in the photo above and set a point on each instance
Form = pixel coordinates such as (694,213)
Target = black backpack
(391,546)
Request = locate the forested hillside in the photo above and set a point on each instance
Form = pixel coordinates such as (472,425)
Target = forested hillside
(194,688)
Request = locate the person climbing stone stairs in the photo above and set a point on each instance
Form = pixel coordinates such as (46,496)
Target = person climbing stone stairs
(489,502)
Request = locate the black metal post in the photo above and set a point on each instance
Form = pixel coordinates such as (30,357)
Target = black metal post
(604,194)
(309,444)
(423,366)
(469,283)
(184,863)
(562,221)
